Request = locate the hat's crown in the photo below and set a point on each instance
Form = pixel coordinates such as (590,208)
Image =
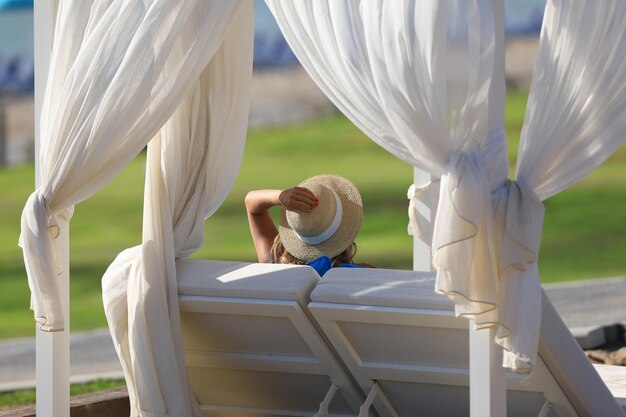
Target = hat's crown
(320,218)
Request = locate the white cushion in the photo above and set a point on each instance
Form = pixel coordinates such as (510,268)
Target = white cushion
(245,280)
(380,287)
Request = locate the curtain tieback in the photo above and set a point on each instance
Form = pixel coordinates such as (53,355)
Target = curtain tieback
(522,227)
(518,214)
(482,240)
(506,223)
(40,229)
(464,252)
(419,225)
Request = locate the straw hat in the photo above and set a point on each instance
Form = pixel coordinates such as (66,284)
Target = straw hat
(328,229)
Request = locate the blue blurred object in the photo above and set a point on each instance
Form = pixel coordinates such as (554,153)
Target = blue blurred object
(523,18)
(17,76)
(16,47)
(15,4)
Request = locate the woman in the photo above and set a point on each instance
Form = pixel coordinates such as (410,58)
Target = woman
(319,221)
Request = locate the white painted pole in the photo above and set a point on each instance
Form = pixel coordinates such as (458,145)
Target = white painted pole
(427,207)
(498,88)
(52,349)
(487,377)
(426,202)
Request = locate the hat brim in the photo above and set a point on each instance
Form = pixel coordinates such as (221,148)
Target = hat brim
(352,207)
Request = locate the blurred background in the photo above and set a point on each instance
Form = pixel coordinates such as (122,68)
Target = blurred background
(271,55)
(295,132)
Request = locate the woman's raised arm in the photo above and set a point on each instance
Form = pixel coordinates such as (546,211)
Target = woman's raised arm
(262,228)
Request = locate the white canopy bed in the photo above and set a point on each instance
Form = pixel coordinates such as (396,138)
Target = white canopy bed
(422,79)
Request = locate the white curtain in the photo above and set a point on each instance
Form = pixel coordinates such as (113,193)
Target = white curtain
(192,165)
(118,70)
(576,115)
(415,77)
(575,119)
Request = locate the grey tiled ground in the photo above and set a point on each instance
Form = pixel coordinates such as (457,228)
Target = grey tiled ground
(590,303)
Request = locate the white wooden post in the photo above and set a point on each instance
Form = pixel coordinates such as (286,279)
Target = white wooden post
(427,207)
(487,377)
(52,349)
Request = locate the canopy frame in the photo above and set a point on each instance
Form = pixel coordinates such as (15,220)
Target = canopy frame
(487,390)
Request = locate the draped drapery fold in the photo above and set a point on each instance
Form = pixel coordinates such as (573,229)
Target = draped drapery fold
(386,66)
(575,119)
(576,115)
(118,71)
(415,77)
(192,164)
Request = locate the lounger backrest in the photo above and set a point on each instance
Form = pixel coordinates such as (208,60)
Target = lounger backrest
(250,348)
(267,340)
(393,331)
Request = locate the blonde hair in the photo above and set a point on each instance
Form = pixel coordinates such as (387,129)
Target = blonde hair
(279,255)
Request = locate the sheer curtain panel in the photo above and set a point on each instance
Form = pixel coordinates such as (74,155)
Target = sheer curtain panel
(118,70)
(576,116)
(575,119)
(192,165)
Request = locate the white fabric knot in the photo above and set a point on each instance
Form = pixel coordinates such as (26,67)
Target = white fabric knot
(522,226)
(40,229)
(518,215)
(485,246)
(464,251)
(419,225)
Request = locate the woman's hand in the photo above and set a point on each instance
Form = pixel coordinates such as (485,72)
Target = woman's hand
(298,199)
(262,226)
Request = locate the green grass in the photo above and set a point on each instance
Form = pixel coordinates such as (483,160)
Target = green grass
(26,397)
(584,233)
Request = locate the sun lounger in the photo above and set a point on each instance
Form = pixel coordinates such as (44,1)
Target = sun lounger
(408,351)
(275,340)
(251,348)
